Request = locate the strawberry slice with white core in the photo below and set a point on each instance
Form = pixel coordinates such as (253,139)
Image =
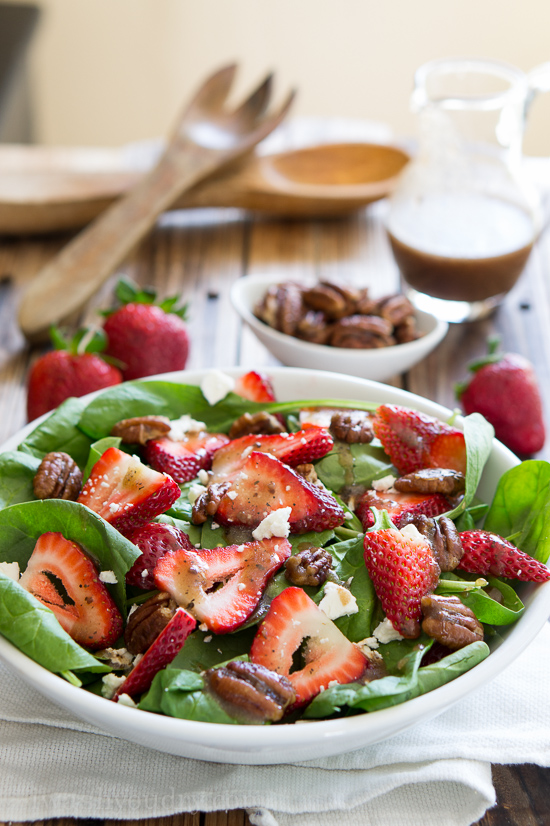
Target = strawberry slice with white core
(330,658)
(400,506)
(291,448)
(265,484)
(63,578)
(154,540)
(221,586)
(159,654)
(254,386)
(183,458)
(125,492)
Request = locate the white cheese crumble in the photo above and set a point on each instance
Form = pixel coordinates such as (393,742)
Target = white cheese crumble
(11,570)
(216,385)
(338,601)
(412,532)
(203,476)
(114,507)
(109,577)
(194,492)
(274,524)
(126,700)
(367,647)
(385,632)
(110,685)
(384,484)
(232,494)
(179,428)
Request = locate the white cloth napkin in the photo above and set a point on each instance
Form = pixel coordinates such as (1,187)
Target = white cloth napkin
(436,774)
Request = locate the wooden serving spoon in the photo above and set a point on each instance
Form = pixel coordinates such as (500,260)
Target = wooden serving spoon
(206,137)
(50,189)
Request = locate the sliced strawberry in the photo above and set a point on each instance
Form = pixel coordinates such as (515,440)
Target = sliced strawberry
(400,506)
(125,492)
(221,586)
(154,540)
(488,553)
(414,440)
(63,578)
(291,448)
(254,386)
(265,484)
(183,459)
(162,651)
(403,570)
(330,657)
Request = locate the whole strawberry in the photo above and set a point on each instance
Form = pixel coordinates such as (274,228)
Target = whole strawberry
(147,338)
(504,389)
(74,368)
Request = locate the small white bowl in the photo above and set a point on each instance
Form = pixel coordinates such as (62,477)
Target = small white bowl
(378,364)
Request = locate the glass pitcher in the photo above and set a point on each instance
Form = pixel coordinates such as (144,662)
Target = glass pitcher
(464,217)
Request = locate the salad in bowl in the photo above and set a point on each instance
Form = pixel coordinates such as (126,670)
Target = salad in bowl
(201,562)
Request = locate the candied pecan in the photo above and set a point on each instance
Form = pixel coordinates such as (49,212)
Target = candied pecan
(395,309)
(308,567)
(250,692)
(314,327)
(366,305)
(407,331)
(147,621)
(351,295)
(450,622)
(432,480)
(443,537)
(308,472)
(207,503)
(362,332)
(58,477)
(353,427)
(267,309)
(261,422)
(140,429)
(327,300)
(282,307)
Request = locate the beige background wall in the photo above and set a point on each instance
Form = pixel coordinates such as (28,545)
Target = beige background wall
(111,71)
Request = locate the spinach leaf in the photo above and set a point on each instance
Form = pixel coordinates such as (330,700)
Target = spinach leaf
(478,436)
(180,694)
(349,563)
(97,449)
(60,432)
(198,655)
(17,471)
(521,508)
(21,525)
(352,465)
(484,606)
(33,628)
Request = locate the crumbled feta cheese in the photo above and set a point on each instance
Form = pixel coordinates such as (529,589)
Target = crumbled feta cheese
(368,644)
(384,484)
(114,507)
(241,586)
(240,549)
(412,532)
(11,570)
(214,526)
(203,627)
(274,524)
(117,658)
(203,476)
(110,685)
(194,492)
(109,577)
(385,632)
(185,424)
(333,683)
(216,385)
(126,700)
(232,494)
(208,638)
(338,601)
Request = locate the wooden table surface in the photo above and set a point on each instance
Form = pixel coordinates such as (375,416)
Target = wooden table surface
(199,254)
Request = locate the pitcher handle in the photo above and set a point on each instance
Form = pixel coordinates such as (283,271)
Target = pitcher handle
(538,80)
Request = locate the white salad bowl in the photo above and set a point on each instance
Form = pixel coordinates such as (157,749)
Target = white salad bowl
(378,364)
(290,743)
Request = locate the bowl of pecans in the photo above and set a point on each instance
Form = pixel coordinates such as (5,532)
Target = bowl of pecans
(332,326)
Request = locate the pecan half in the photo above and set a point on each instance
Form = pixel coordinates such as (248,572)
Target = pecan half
(443,537)
(58,477)
(353,427)
(307,471)
(362,332)
(261,422)
(450,622)
(147,621)
(250,692)
(207,503)
(351,295)
(326,299)
(432,480)
(407,331)
(314,327)
(308,567)
(395,309)
(140,429)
